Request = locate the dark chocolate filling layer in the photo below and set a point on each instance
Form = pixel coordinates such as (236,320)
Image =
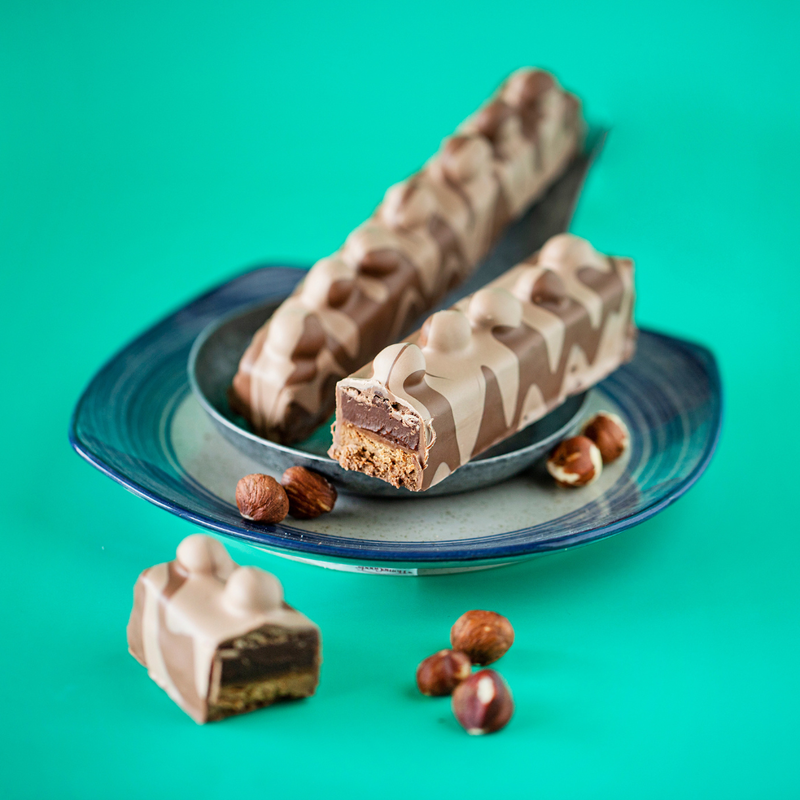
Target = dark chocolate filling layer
(375,415)
(265,652)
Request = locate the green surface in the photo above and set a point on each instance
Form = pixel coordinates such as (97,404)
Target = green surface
(150,150)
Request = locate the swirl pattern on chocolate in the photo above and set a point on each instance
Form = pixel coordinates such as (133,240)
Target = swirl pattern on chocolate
(426,237)
(497,361)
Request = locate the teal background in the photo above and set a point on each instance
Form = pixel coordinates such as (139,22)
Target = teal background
(150,150)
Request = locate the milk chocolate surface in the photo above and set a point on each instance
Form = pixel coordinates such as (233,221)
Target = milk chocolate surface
(218,638)
(497,361)
(424,239)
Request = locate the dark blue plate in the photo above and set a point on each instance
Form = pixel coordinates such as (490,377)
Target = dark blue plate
(139,423)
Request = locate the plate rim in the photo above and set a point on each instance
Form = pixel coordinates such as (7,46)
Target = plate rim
(365,550)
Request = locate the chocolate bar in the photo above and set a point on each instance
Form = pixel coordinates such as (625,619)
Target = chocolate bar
(500,359)
(426,237)
(218,638)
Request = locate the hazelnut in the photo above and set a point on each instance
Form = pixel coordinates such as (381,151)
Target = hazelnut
(609,433)
(575,462)
(483,703)
(309,493)
(261,498)
(440,673)
(483,635)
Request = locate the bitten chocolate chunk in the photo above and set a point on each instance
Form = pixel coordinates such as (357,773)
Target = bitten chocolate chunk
(497,361)
(217,637)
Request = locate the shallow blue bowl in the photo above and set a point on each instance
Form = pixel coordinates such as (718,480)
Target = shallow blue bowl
(215,356)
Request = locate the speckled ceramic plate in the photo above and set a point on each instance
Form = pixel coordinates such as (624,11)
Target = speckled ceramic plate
(139,422)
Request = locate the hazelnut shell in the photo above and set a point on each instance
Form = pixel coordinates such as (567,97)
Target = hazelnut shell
(484,636)
(483,703)
(261,498)
(440,673)
(309,493)
(575,462)
(609,433)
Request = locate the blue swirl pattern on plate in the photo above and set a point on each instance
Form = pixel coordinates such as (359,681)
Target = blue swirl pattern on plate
(670,395)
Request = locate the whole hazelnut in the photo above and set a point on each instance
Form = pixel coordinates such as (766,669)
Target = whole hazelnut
(309,493)
(261,498)
(483,703)
(484,636)
(609,433)
(440,673)
(575,462)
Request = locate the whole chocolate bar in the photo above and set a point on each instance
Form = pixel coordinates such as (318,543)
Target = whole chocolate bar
(217,637)
(497,361)
(425,238)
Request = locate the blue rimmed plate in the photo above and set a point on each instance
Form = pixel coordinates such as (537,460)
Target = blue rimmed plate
(139,423)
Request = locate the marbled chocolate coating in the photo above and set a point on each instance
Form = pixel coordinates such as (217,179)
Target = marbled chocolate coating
(497,361)
(185,609)
(426,237)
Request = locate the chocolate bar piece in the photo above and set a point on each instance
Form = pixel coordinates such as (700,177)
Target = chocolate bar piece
(497,361)
(218,638)
(425,238)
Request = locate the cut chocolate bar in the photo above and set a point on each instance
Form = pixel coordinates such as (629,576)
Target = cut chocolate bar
(218,638)
(425,238)
(497,361)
